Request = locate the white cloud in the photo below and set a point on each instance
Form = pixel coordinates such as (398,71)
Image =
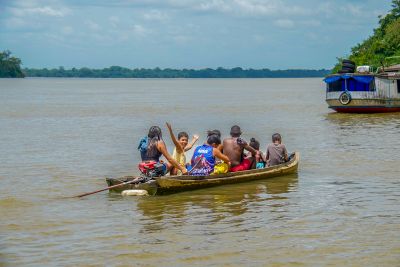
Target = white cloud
(181,39)
(214,5)
(31,14)
(114,21)
(254,7)
(43,11)
(155,15)
(353,10)
(238,7)
(67,30)
(284,23)
(139,30)
(311,23)
(15,22)
(92,25)
(251,8)
(258,38)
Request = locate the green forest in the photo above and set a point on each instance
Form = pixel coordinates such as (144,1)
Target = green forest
(10,67)
(121,72)
(383,46)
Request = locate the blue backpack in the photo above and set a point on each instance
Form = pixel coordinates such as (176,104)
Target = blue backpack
(143,144)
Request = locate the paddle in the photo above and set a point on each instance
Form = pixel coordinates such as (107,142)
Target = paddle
(110,187)
(118,185)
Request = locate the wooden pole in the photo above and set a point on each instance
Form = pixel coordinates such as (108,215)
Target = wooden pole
(110,187)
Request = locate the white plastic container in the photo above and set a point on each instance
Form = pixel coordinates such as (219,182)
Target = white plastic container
(363,69)
(135,192)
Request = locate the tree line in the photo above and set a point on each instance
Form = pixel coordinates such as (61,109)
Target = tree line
(10,67)
(121,72)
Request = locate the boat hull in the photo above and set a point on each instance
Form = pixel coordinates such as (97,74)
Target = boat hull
(173,184)
(365,109)
(365,106)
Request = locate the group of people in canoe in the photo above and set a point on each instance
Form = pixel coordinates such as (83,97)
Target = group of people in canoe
(215,156)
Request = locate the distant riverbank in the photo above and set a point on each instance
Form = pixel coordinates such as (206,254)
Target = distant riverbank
(121,72)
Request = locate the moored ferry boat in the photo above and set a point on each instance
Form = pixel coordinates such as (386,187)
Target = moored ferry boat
(360,90)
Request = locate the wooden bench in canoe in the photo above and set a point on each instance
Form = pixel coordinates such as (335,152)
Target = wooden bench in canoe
(172,184)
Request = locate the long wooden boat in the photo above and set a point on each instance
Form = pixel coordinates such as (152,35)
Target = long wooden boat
(173,184)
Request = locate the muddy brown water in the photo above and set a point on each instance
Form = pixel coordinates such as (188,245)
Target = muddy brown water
(61,137)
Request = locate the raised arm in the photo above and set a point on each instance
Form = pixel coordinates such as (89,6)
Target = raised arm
(163,149)
(178,146)
(190,145)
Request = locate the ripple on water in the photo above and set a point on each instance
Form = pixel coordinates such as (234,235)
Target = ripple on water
(61,137)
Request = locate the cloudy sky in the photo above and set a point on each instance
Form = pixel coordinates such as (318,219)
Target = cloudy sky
(275,34)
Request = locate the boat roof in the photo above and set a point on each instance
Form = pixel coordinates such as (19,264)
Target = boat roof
(349,75)
(364,78)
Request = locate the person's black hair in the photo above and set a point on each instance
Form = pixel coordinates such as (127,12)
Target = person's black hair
(214,132)
(154,136)
(155,132)
(213,139)
(254,143)
(276,137)
(235,131)
(183,134)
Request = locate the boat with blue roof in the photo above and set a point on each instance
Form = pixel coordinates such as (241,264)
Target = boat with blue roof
(360,89)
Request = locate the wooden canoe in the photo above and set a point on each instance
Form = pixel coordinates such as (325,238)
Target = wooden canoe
(172,184)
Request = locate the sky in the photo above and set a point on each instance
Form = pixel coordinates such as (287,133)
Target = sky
(274,34)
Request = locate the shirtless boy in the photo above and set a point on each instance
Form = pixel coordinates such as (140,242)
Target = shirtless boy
(233,147)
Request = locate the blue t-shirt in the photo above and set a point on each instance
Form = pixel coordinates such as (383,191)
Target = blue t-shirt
(203,161)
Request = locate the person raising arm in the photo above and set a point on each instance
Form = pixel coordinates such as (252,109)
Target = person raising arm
(181,146)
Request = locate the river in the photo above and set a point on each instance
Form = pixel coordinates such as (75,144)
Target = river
(61,137)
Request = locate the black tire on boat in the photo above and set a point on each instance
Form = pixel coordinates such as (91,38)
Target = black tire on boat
(345,98)
(347,70)
(348,61)
(348,65)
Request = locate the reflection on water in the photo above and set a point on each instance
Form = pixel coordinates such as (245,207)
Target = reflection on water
(61,137)
(226,201)
(364,120)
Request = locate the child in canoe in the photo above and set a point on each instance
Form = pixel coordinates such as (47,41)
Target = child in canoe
(181,146)
(276,151)
(259,157)
(204,158)
(152,147)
